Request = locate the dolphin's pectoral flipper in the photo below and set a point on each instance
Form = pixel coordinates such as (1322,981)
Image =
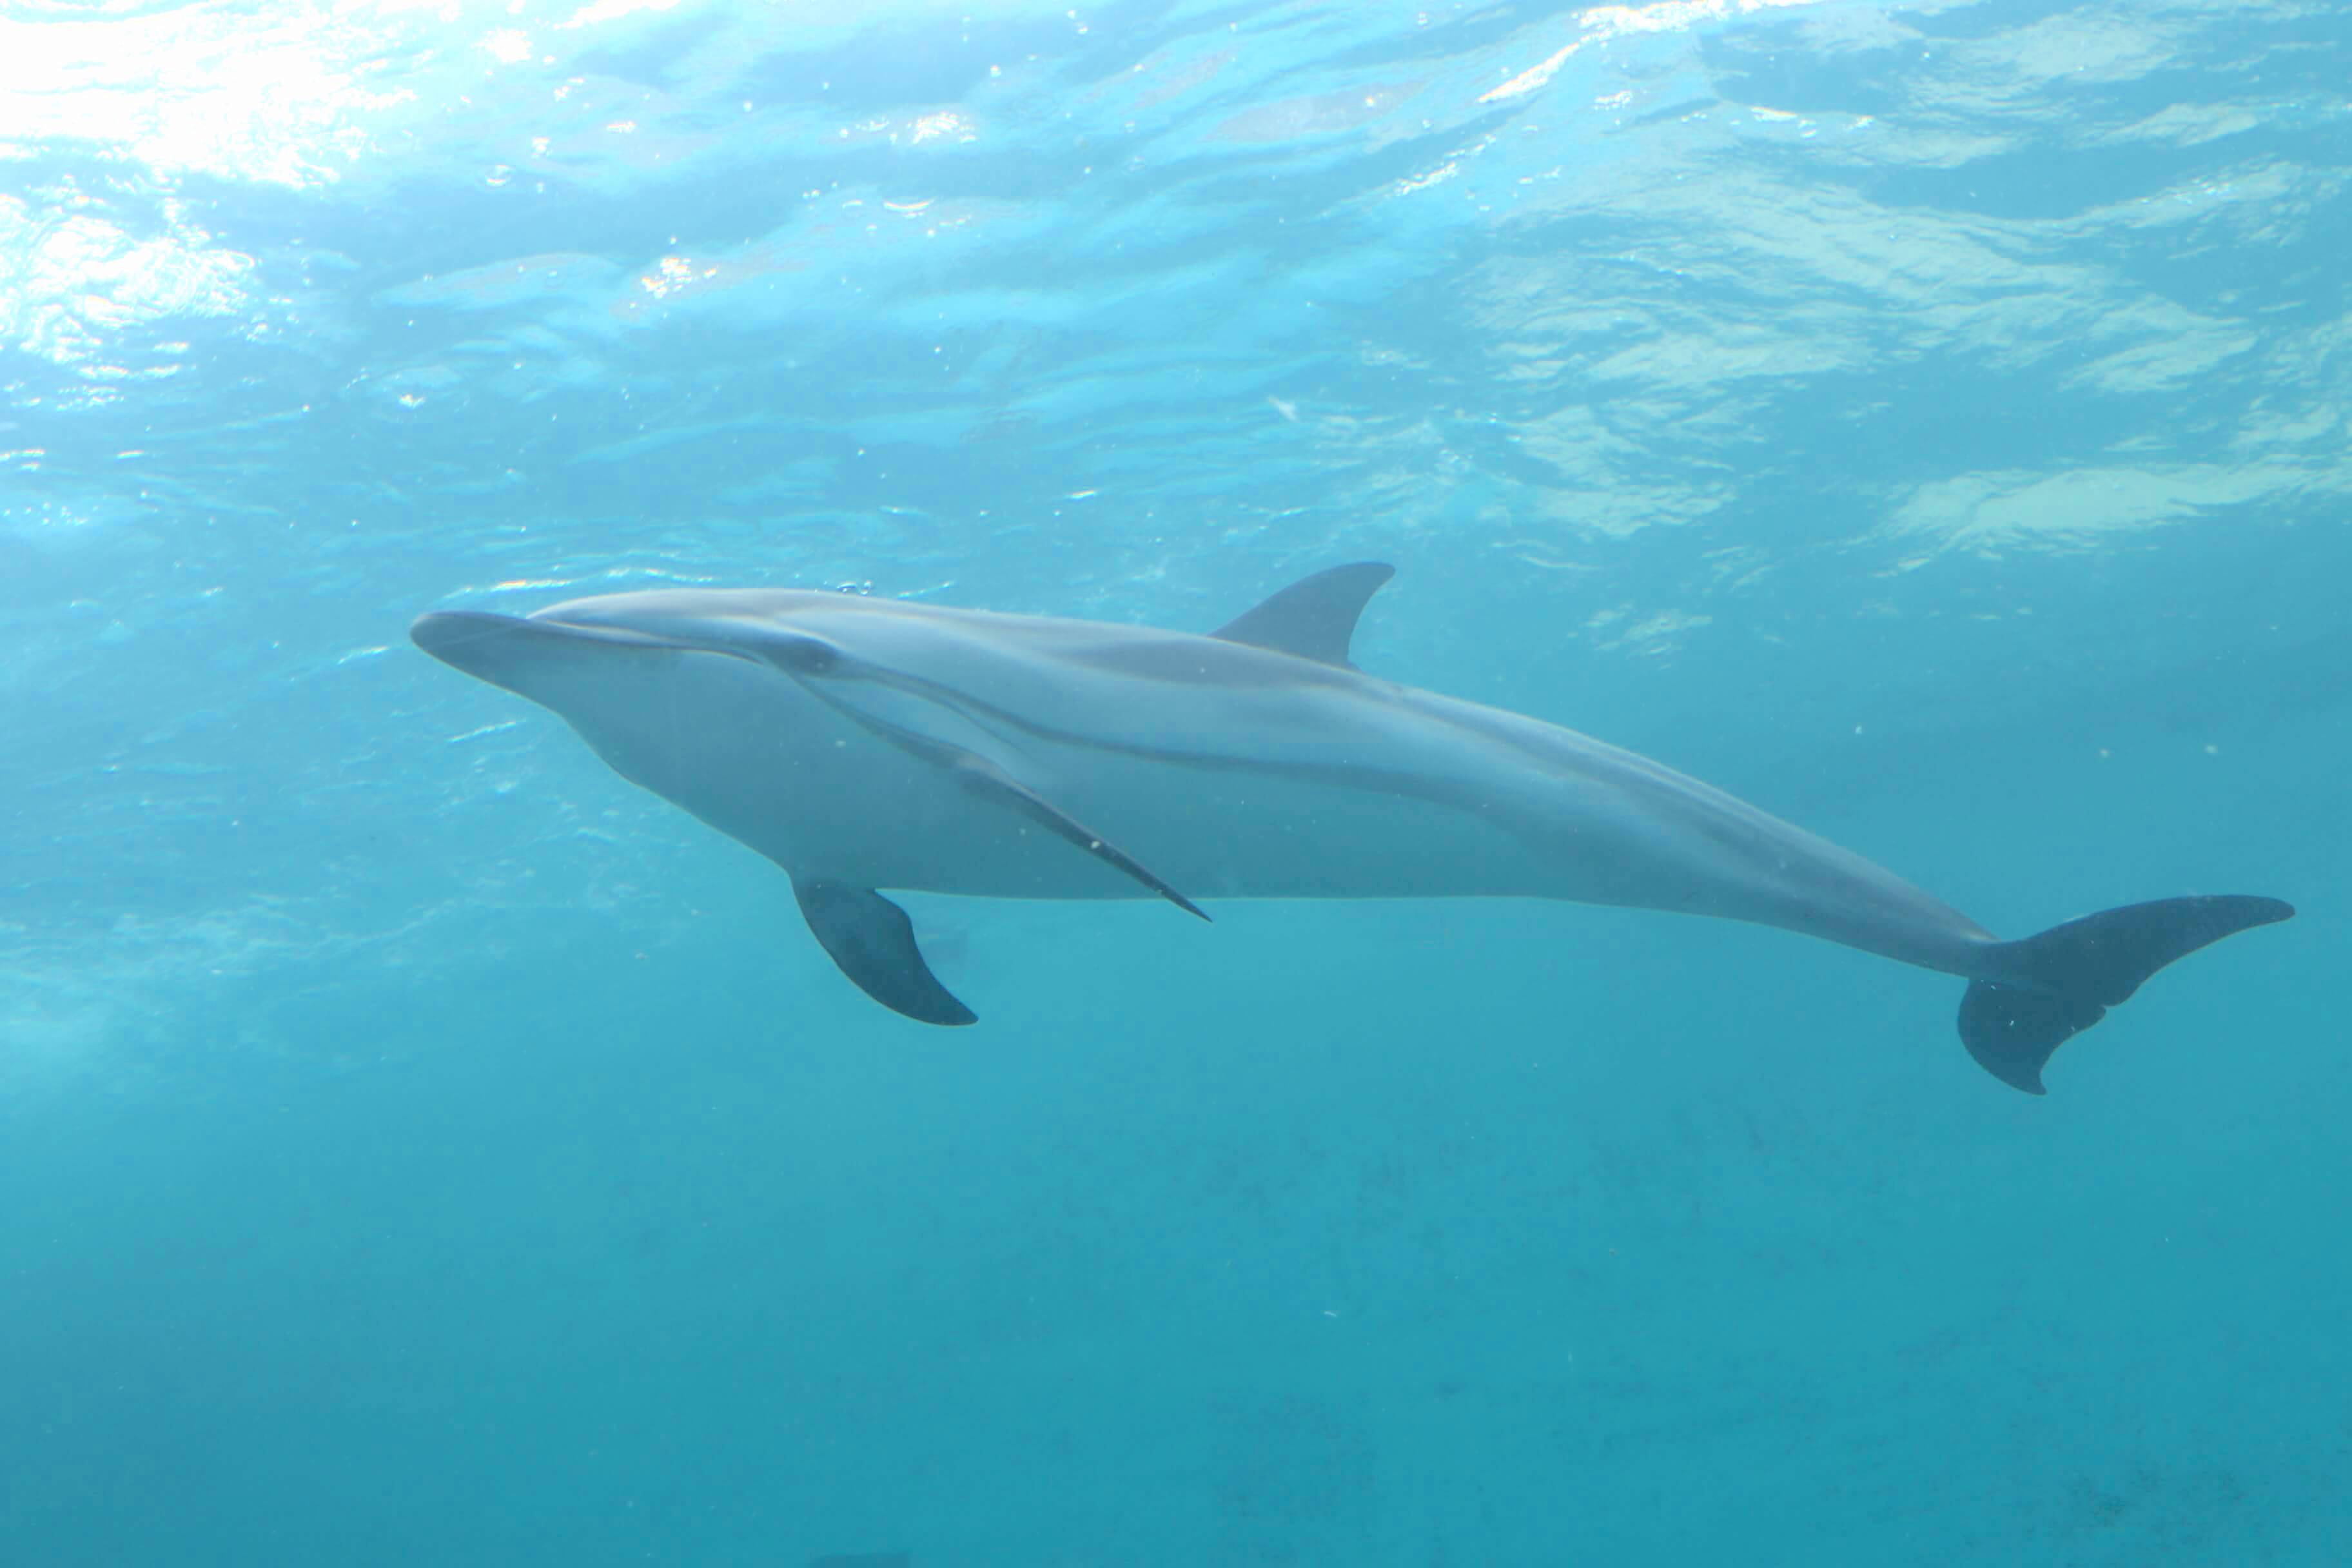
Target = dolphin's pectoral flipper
(986,779)
(874,943)
(2066,978)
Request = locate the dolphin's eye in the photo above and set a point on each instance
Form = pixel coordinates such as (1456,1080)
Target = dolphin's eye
(800,654)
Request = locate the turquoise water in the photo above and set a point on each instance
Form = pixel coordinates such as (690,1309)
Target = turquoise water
(1929,422)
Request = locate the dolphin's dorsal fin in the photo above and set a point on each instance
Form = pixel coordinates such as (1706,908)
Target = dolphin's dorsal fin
(1315,617)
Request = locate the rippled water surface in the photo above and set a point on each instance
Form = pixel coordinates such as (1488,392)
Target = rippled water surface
(1933,423)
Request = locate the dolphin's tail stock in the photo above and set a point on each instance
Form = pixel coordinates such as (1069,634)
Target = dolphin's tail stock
(2055,985)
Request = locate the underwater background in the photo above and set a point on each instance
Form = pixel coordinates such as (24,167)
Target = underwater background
(1932,423)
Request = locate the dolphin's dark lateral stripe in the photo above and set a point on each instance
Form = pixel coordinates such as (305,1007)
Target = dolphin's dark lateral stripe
(986,779)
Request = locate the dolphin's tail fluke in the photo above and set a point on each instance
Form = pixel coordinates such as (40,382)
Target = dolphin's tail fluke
(2055,985)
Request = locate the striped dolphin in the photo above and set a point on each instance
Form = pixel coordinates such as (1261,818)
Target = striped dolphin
(868,743)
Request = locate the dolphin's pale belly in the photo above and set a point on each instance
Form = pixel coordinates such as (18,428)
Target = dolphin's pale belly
(819,792)
(822,796)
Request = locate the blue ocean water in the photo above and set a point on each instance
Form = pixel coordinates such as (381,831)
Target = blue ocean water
(1927,421)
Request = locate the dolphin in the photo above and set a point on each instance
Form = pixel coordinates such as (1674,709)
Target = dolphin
(866,743)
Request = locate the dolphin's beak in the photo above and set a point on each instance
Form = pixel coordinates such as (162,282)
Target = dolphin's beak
(529,656)
(481,645)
